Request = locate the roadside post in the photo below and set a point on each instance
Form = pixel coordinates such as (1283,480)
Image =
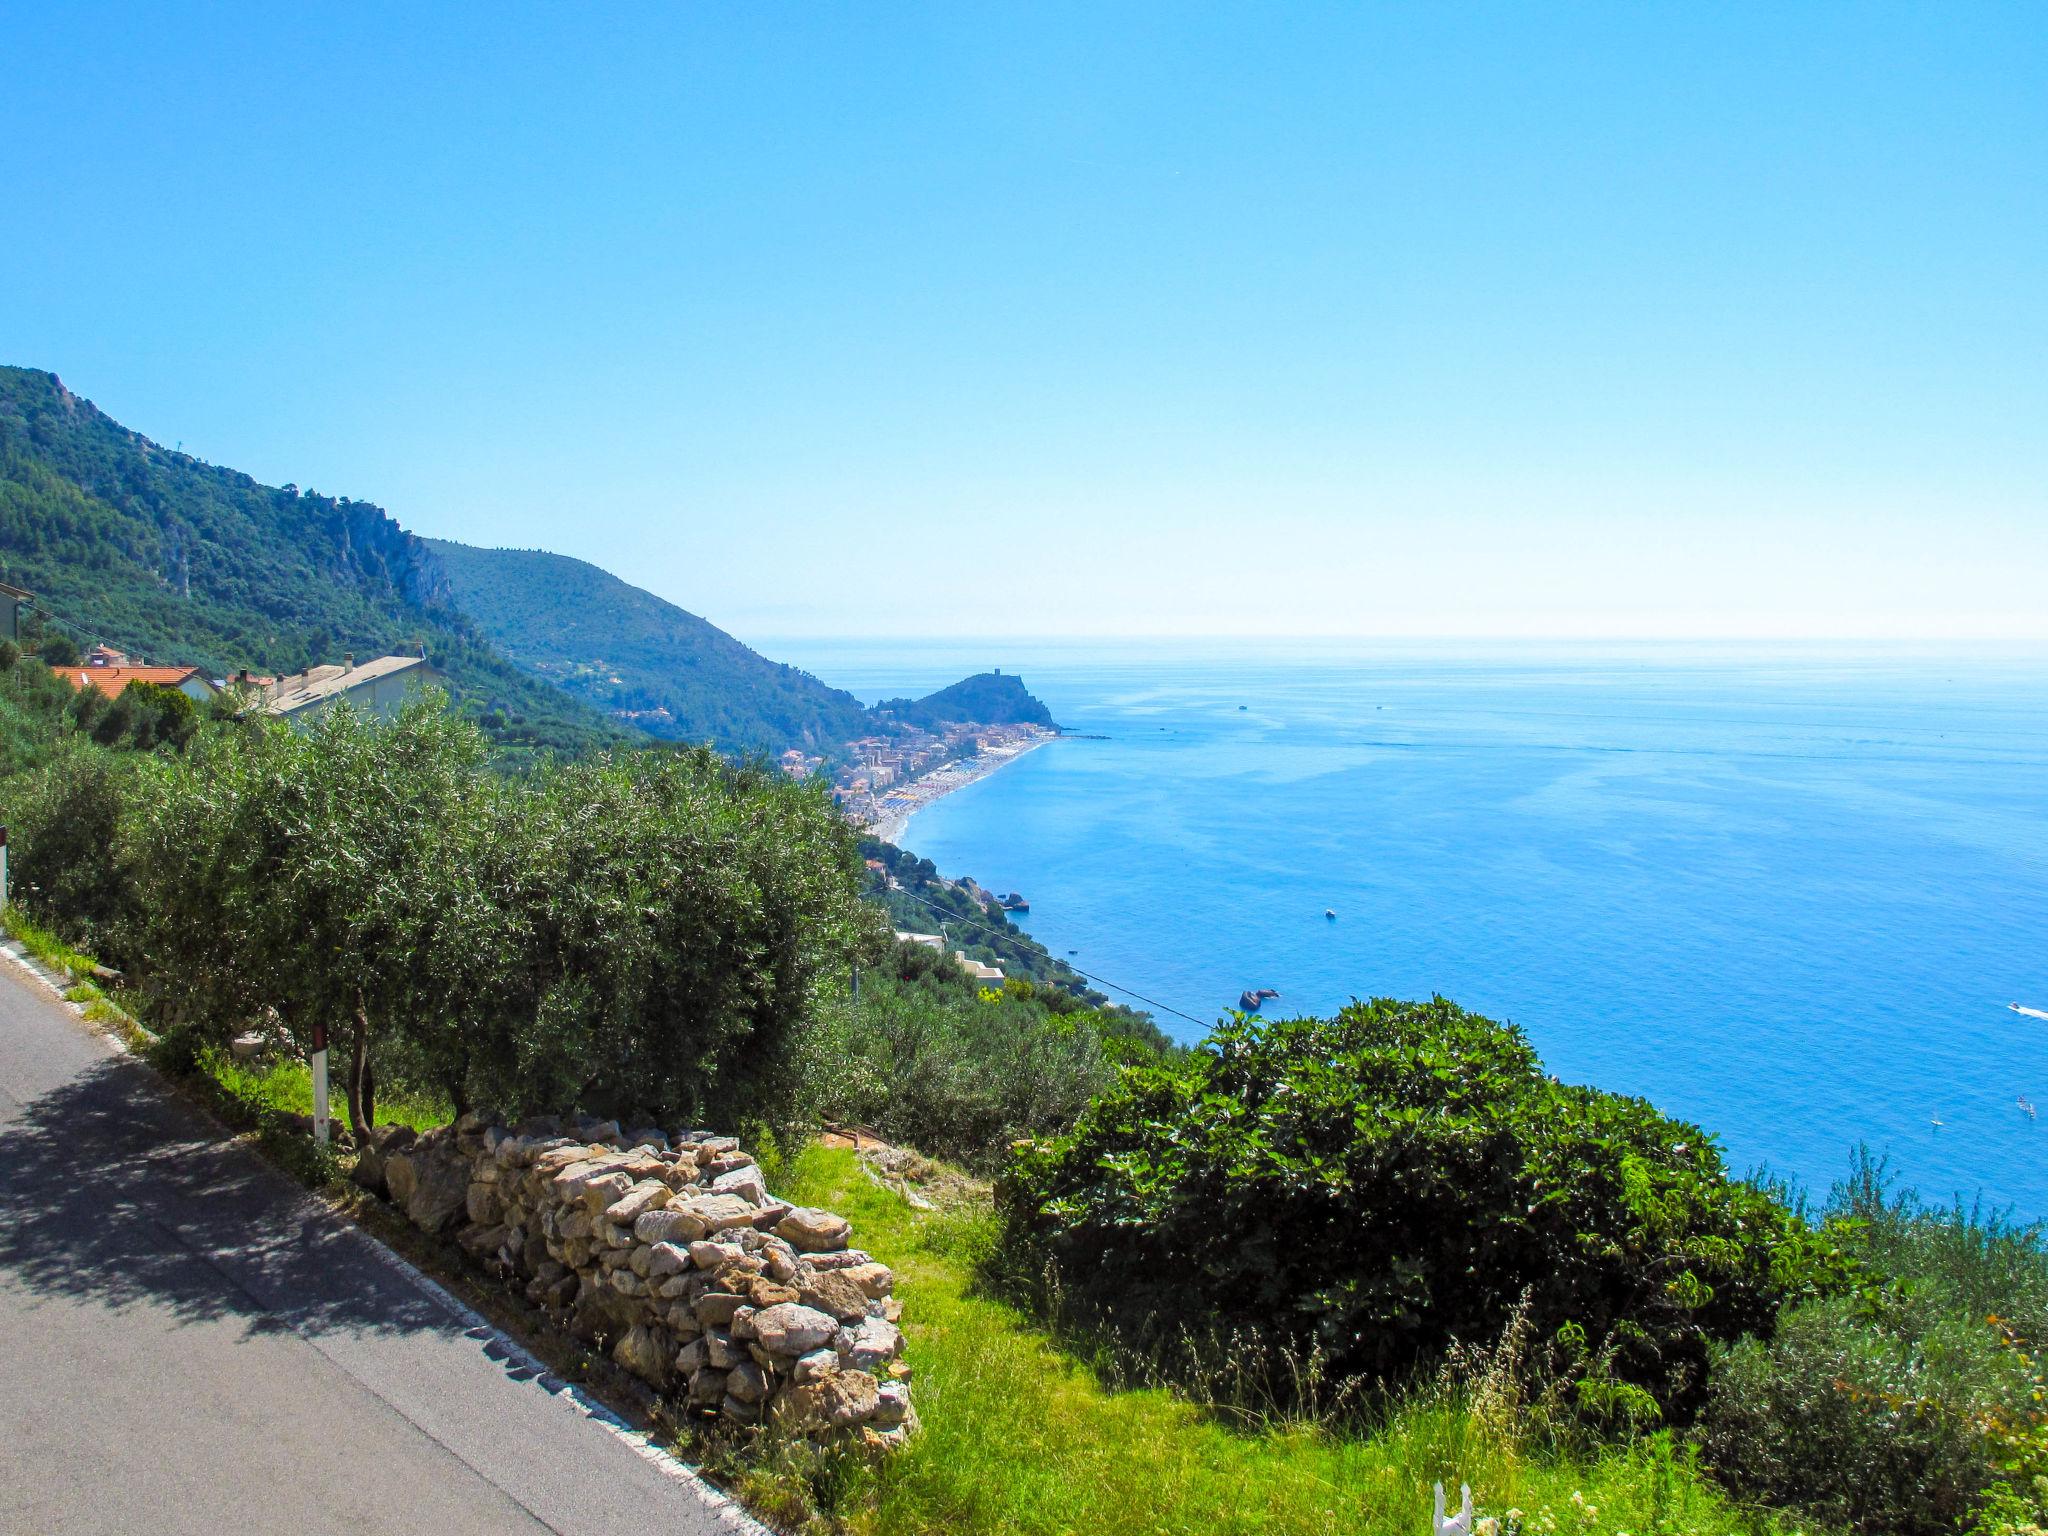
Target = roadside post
(3,868)
(320,1084)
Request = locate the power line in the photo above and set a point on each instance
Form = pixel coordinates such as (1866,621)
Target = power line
(1102,981)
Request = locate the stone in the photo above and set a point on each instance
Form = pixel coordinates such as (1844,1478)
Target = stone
(671,1225)
(706,1254)
(399,1177)
(690,1358)
(742,1325)
(576,1223)
(707,1387)
(870,1345)
(715,1212)
(845,1258)
(747,1382)
(747,1182)
(368,1172)
(770,1293)
(663,1260)
(714,1309)
(626,1283)
(892,1404)
(601,1192)
(740,1410)
(483,1204)
(644,1352)
(790,1328)
(810,1367)
(835,1293)
(769,1213)
(647,1195)
(874,1280)
(440,1187)
(813,1231)
(721,1351)
(837,1400)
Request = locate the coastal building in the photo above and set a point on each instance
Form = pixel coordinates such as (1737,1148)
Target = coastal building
(977,970)
(376,687)
(928,940)
(110,680)
(12,601)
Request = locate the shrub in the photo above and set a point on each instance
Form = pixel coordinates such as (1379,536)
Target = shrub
(65,824)
(1913,1408)
(929,1056)
(1364,1190)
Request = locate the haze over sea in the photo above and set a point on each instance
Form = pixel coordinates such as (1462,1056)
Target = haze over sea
(1784,892)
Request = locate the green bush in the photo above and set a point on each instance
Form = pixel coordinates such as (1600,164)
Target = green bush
(64,820)
(929,1056)
(1367,1189)
(1914,1408)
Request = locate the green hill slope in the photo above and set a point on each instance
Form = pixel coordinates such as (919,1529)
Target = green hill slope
(176,560)
(987,698)
(641,659)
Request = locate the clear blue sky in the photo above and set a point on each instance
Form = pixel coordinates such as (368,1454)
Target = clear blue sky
(1049,319)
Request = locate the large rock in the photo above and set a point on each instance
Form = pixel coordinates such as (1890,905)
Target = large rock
(718,1213)
(647,1195)
(813,1231)
(870,1345)
(790,1328)
(399,1177)
(834,1292)
(440,1186)
(644,1352)
(837,1400)
(745,1181)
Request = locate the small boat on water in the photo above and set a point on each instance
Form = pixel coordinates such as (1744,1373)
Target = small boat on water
(2032,1013)
(1330,913)
(1249,1000)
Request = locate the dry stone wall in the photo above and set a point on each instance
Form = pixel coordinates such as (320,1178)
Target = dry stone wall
(669,1251)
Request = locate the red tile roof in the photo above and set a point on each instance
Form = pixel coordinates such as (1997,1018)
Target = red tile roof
(111,680)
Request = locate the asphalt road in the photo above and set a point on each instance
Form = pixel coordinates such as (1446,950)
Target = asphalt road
(188,1343)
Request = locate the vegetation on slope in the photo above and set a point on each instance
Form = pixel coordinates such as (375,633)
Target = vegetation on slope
(178,561)
(1021,1437)
(987,698)
(928,1056)
(640,659)
(1369,1189)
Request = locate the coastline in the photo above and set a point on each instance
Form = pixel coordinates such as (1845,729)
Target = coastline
(913,797)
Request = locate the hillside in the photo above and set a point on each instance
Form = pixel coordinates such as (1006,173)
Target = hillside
(987,698)
(176,560)
(640,659)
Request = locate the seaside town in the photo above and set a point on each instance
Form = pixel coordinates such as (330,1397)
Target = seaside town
(886,779)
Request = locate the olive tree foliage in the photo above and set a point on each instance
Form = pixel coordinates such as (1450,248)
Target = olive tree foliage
(665,925)
(316,875)
(643,933)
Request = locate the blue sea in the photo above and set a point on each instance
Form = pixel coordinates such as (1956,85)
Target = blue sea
(1785,893)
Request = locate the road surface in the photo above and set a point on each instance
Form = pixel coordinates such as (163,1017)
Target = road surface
(189,1343)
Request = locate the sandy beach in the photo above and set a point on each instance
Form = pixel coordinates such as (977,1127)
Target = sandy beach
(905,802)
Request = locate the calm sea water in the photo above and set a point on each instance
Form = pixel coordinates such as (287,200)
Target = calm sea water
(1786,895)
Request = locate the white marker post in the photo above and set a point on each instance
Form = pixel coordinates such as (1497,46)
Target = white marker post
(3,869)
(320,1084)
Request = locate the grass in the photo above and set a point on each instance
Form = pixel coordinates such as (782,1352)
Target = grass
(46,947)
(1020,1438)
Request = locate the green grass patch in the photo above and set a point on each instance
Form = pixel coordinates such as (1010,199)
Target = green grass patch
(45,946)
(1020,1438)
(286,1088)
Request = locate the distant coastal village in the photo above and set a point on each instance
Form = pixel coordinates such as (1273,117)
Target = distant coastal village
(885,780)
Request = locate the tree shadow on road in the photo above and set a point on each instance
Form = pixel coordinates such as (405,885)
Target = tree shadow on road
(114,1193)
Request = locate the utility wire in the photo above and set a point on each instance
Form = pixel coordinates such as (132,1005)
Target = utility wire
(1101,981)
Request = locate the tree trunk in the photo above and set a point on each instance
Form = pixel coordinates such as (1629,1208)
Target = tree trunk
(362,1090)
